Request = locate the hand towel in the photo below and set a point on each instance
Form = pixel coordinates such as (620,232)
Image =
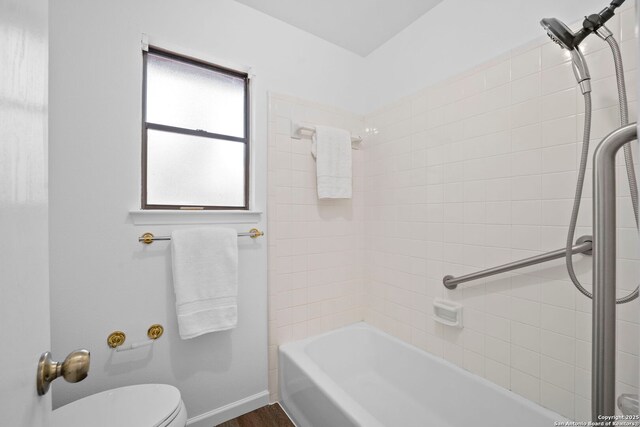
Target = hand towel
(332,149)
(205,279)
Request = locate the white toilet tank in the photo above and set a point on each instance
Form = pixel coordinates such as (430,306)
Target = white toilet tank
(146,405)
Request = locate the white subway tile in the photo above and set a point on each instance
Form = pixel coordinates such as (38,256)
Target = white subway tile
(526,237)
(526,113)
(497,373)
(628,334)
(557,399)
(553,55)
(560,158)
(526,137)
(559,131)
(526,163)
(556,212)
(557,373)
(526,212)
(525,361)
(627,25)
(525,88)
(558,346)
(473,362)
(557,319)
(526,187)
(498,236)
(627,369)
(525,63)
(557,78)
(558,185)
(525,385)
(558,293)
(582,383)
(525,336)
(582,408)
(498,74)
(497,327)
(525,311)
(583,355)
(558,104)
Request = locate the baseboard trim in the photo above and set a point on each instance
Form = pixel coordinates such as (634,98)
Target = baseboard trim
(230,411)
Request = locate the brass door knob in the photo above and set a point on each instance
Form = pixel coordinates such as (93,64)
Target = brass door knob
(75,368)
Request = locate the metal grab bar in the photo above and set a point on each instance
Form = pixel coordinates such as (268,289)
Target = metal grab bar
(583,246)
(603,361)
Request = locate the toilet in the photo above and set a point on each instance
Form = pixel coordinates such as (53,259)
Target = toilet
(146,405)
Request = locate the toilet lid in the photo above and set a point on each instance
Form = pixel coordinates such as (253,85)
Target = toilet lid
(134,406)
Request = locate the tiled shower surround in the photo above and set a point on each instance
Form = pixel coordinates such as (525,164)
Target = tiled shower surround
(468,174)
(315,246)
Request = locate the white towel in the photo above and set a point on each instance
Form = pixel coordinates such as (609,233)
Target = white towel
(205,279)
(332,149)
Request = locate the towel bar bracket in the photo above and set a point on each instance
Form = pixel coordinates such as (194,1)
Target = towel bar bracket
(147,238)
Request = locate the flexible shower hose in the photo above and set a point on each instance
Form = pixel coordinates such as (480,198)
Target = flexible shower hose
(624,119)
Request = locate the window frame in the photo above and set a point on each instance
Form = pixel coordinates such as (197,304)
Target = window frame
(194,132)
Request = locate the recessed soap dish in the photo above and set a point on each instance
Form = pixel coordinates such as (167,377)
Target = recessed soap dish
(447,312)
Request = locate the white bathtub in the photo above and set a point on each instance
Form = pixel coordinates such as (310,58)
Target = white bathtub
(360,376)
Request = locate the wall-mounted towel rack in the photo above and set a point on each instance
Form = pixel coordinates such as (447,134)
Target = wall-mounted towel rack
(299,132)
(148,238)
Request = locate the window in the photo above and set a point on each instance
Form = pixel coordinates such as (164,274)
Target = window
(195,144)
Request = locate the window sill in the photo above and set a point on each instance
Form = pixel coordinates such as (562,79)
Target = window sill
(163,217)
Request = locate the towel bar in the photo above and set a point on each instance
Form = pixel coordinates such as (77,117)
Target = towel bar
(148,238)
(298,132)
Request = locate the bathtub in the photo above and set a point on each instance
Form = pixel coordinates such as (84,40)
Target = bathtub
(361,376)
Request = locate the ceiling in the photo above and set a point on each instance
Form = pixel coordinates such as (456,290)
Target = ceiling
(360,26)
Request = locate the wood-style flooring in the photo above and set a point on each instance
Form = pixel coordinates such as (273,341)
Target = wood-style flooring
(267,416)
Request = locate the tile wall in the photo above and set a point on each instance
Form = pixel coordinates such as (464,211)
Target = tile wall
(315,246)
(471,173)
(478,171)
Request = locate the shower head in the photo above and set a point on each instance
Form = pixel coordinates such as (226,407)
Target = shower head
(562,35)
(559,32)
(580,70)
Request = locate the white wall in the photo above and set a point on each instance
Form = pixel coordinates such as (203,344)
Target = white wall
(102,279)
(456,35)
